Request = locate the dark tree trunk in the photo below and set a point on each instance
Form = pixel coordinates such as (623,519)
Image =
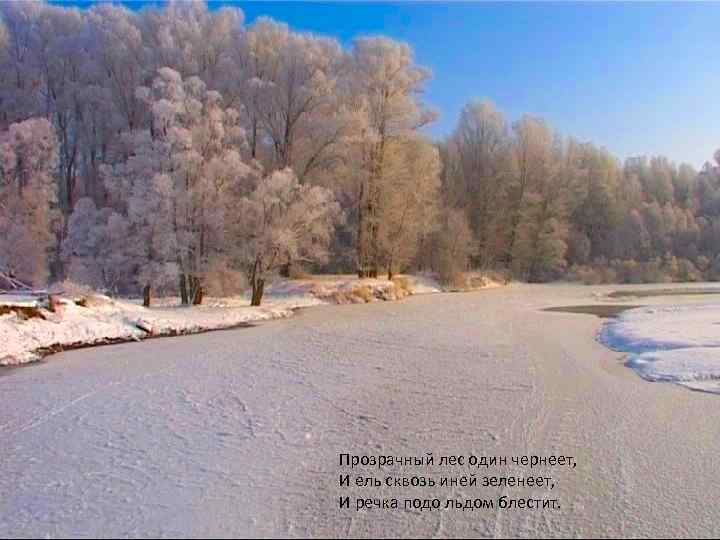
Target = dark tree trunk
(193,290)
(197,291)
(361,248)
(257,282)
(258,287)
(253,139)
(183,290)
(146,296)
(390,268)
(199,295)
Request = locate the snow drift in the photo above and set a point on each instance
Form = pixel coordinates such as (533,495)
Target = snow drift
(679,344)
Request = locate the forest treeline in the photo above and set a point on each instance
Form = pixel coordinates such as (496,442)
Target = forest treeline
(180,148)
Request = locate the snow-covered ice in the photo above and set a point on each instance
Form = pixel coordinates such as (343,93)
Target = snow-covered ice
(237,433)
(679,344)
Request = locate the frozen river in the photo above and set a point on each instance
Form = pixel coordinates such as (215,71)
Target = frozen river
(238,433)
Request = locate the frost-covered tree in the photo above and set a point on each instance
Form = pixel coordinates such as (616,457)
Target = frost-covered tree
(297,91)
(532,159)
(19,97)
(28,199)
(119,62)
(452,247)
(480,147)
(99,249)
(282,221)
(385,84)
(292,101)
(175,181)
(408,204)
(166,164)
(190,38)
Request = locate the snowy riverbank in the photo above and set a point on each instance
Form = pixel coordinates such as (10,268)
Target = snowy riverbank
(103,320)
(679,344)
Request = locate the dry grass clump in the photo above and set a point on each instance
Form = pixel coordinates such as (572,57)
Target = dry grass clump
(358,295)
(455,281)
(402,286)
(364,292)
(23,312)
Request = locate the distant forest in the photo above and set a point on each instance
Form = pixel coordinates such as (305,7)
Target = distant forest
(179,148)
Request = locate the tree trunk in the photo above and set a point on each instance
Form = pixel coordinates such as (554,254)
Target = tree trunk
(367,246)
(253,139)
(373,247)
(258,286)
(361,248)
(183,290)
(146,296)
(257,282)
(196,291)
(372,205)
(199,295)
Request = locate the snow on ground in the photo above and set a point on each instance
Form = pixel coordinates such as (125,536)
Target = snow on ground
(106,320)
(424,284)
(27,340)
(679,344)
(19,300)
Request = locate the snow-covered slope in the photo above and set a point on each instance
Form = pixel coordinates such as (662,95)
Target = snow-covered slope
(106,320)
(679,344)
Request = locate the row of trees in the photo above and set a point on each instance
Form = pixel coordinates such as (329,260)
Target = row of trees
(544,206)
(180,148)
(189,147)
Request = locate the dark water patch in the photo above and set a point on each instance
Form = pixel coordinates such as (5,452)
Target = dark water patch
(604,311)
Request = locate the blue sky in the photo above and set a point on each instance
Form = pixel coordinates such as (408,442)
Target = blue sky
(641,78)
